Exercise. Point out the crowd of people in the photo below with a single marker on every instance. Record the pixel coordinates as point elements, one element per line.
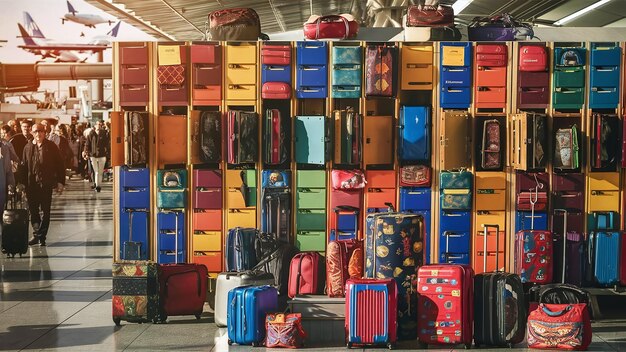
<point>38,157</point>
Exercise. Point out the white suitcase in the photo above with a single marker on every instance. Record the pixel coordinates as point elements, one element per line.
<point>226,281</point>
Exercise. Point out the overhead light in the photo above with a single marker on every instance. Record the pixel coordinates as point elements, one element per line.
<point>579,13</point>
<point>460,5</point>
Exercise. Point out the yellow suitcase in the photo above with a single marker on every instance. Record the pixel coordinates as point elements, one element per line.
<point>207,241</point>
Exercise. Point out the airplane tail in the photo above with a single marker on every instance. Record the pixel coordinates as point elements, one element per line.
<point>71,8</point>
<point>32,27</point>
<point>114,30</point>
<point>28,40</point>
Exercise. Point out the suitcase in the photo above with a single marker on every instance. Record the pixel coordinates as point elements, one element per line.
<point>342,262</point>
<point>371,312</point>
<point>172,147</point>
<point>182,289</point>
<point>276,213</point>
<point>172,189</point>
<point>491,156</point>
<point>276,138</point>
<point>242,137</point>
<point>240,249</point>
<point>534,256</point>
<point>312,139</point>
<point>348,137</point>
<point>229,280</point>
<point>15,227</point>
<point>570,254</point>
<point>136,138</point>
<point>445,304</point>
<point>171,240</point>
<point>277,263</point>
<point>415,139</point>
<point>605,140</point>
<point>380,70</point>
<point>529,145</point>
<point>346,225</point>
<point>306,274</point>
<point>605,249</point>
<point>276,90</point>
<point>394,249</point>
<point>455,141</point>
<point>491,55</point>
<point>378,136</point>
<point>247,308</point>
<point>131,250</point>
<point>211,136</point>
<point>533,58</point>
<point>135,295</point>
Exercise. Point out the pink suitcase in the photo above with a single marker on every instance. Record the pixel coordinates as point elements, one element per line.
<point>371,312</point>
<point>445,302</point>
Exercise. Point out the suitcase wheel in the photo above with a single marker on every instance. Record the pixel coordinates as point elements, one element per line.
<point>162,318</point>
<point>230,342</point>
<point>256,344</point>
<point>198,315</point>
<point>349,345</point>
<point>468,346</point>
<point>390,345</point>
<point>117,321</point>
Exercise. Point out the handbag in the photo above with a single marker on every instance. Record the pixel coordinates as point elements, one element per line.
<point>348,179</point>
<point>415,175</point>
<point>234,24</point>
<point>560,326</point>
<point>284,330</point>
<point>429,16</point>
<point>173,75</point>
<point>498,28</point>
<point>342,26</point>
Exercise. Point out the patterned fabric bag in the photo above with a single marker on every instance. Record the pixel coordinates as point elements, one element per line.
<point>559,326</point>
<point>173,75</point>
<point>284,330</point>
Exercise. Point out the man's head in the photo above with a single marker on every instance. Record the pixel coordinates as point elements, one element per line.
<point>98,125</point>
<point>25,125</point>
<point>39,132</point>
<point>5,132</point>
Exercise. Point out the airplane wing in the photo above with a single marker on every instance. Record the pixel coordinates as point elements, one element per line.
<point>73,47</point>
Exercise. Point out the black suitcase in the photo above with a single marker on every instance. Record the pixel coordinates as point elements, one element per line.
<point>211,136</point>
<point>15,227</point>
<point>277,212</point>
<point>243,138</point>
<point>499,306</point>
<point>277,264</point>
<point>136,127</point>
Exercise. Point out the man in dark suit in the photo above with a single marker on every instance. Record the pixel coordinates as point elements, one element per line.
<point>42,170</point>
<point>20,140</point>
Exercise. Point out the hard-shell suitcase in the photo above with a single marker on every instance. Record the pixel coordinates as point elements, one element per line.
<point>491,55</point>
<point>380,70</point>
<point>240,252</point>
<point>605,248</point>
<point>276,213</point>
<point>227,281</point>
<point>415,139</point>
<point>247,308</point>
<point>182,289</point>
<point>136,136</point>
<point>445,300</point>
<point>276,138</point>
<point>306,274</point>
<point>534,257</point>
<point>276,90</point>
<point>135,295</point>
<point>371,312</point>
<point>242,137</point>
<point>394,249</point>
<point>211,136</point>
<point>533,58</point>
<point>348,136</point>
<point>346,225</point>
<point>15,227</point>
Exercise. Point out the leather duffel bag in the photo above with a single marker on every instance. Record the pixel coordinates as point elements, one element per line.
<point>342,26</point>
<point>430,16</point>
<point>234,24</point>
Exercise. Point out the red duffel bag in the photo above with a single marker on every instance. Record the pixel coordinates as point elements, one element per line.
<point>559,326</point>
<point>429,16</point>
<point>342,26</point>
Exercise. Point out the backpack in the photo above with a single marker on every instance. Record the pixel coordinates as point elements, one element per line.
<point>571,58</point>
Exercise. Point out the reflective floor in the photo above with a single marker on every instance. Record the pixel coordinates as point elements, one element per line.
<point>59,297</point>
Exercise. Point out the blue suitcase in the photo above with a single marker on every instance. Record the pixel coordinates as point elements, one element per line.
<point>604,75</point>
<point>414,133</point>
<point>603,221</point>
<point>311,140</point>
<point>134,225</point>
<point>524,221</point>
<point>134,188</point>
<point>347,72</point>
<point>456,80</point>
<point>347,224</point>
<point>171,237</point>
<point>312,53</point>
<point>172,189</point>
<point>605,54</point>
<point>247,307</point>
<point>276,73</point>
<point>312,70</point>
<point>240,252</point>
<point>605,248</point>
<point>415,198</point>
<point>455,237</point>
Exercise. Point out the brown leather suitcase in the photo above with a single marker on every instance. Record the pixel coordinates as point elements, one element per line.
<point>378,140</point>
<point>455,142</point>
<point>117,138</point>
<point>172,132</point>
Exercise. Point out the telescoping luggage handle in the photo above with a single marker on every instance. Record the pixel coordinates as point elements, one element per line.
<point>176,213</point>
<point>485,228</point>
<point>564,211</point>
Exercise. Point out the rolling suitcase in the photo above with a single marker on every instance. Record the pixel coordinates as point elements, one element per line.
<point>136,138</point>
<point>445,305</point>
<point>344,259</point>
<point>132,250</point>
<point>306,274</point>
<point>499,305</point>
<point>570,254</point>
<point>227,281</point>
<point>135,295</point>
<point>275,140</point>
<point>247,308</point>
<point>211,136</point>
<point>534,256</point>
<point>240,249</point>
<point>278,263</point>
<point>242,137</point>
<point>371,312</point>
<point>394,249</point>
<point>605,247</point>
<point>414,143</point>
<point>15,227</point>
<point>182,289</point>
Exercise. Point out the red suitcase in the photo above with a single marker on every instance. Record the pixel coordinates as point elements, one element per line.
<point>491,55</point>
<point>182,289</point>
<point>533,256</point>
<point>445,302</point>
<point>306,274</point>
<point>371,312</point>
<point>276,90</point>
<point>274,137</point>
<point>341,257</point>
<point>533,58</point>
<point>276,55</point>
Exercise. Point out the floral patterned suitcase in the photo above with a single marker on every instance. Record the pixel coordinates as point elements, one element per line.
<point>135,292</point>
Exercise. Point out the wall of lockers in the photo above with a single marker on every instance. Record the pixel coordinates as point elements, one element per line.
<point>510,134</point>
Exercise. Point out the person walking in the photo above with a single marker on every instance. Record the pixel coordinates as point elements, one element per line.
<point>7,158</point>
<point>41,171</point>
<point>97,149</point>
<point>20,140</point>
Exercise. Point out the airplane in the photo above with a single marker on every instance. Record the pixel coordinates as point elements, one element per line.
<point>88,20</point>
<point>36,43</point>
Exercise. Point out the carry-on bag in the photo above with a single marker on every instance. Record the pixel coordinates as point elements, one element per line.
<point>182,289</point>
<point>604,248</point>
<point>234,24</point>
<point>172,189</point>
<point>240,249</point>
<point>371,312</point>
<point>560,326</point>
<point>499,304</point>
<point>445,304</point>
<point>276,139</point>
<point>242,137</point>
<point>278,263</point>
<point>276,90</point>
<point>306,274</point>
<point>131,250</point>
<point>284,330</point>
<point>534,256</point>
<point>414,139</point>
<point>348,179</point>
<point>136,138</point>
<point>15,226</point>
<point>533,58</point>
<point>247,308</point>
<point>380,70</point>
<point>430,16</point>
<point>135,295</point>
<point>211,136</point>
<point>499,28</point>
<point>342,26</point>
<point>227,281</point>
<point>566,148</point>
<point>344,260</point>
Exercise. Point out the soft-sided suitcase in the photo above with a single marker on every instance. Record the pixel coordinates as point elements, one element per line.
<point>182,289</point>
<point>534,257</point>
<point>445,304</point>
<point>605,247</point>
<point>491,156</point>
<point>15,227</point>
<point>276,139</point>
<point>306,274</point>
<point>135,295</point>
<point>211,136</point>
<point>278,263</point>
<point>380,70</point>
<point>247,308</point>
<point>242,137</point>
<point>394,249</point>
<point>342,262</point>
<point>371,312</point>
<point>348,136</point>
<point>414,124</point>
<point>240,253</point>
<point>227,281</point>
<point>136,136</point>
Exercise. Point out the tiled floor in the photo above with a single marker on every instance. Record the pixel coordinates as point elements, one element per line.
<point>59,297</point>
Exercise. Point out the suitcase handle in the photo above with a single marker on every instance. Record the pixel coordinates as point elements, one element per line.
<point>275,68</point>
<point>564,211</point>
<point>417,65</point>
<point>485,232</point>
